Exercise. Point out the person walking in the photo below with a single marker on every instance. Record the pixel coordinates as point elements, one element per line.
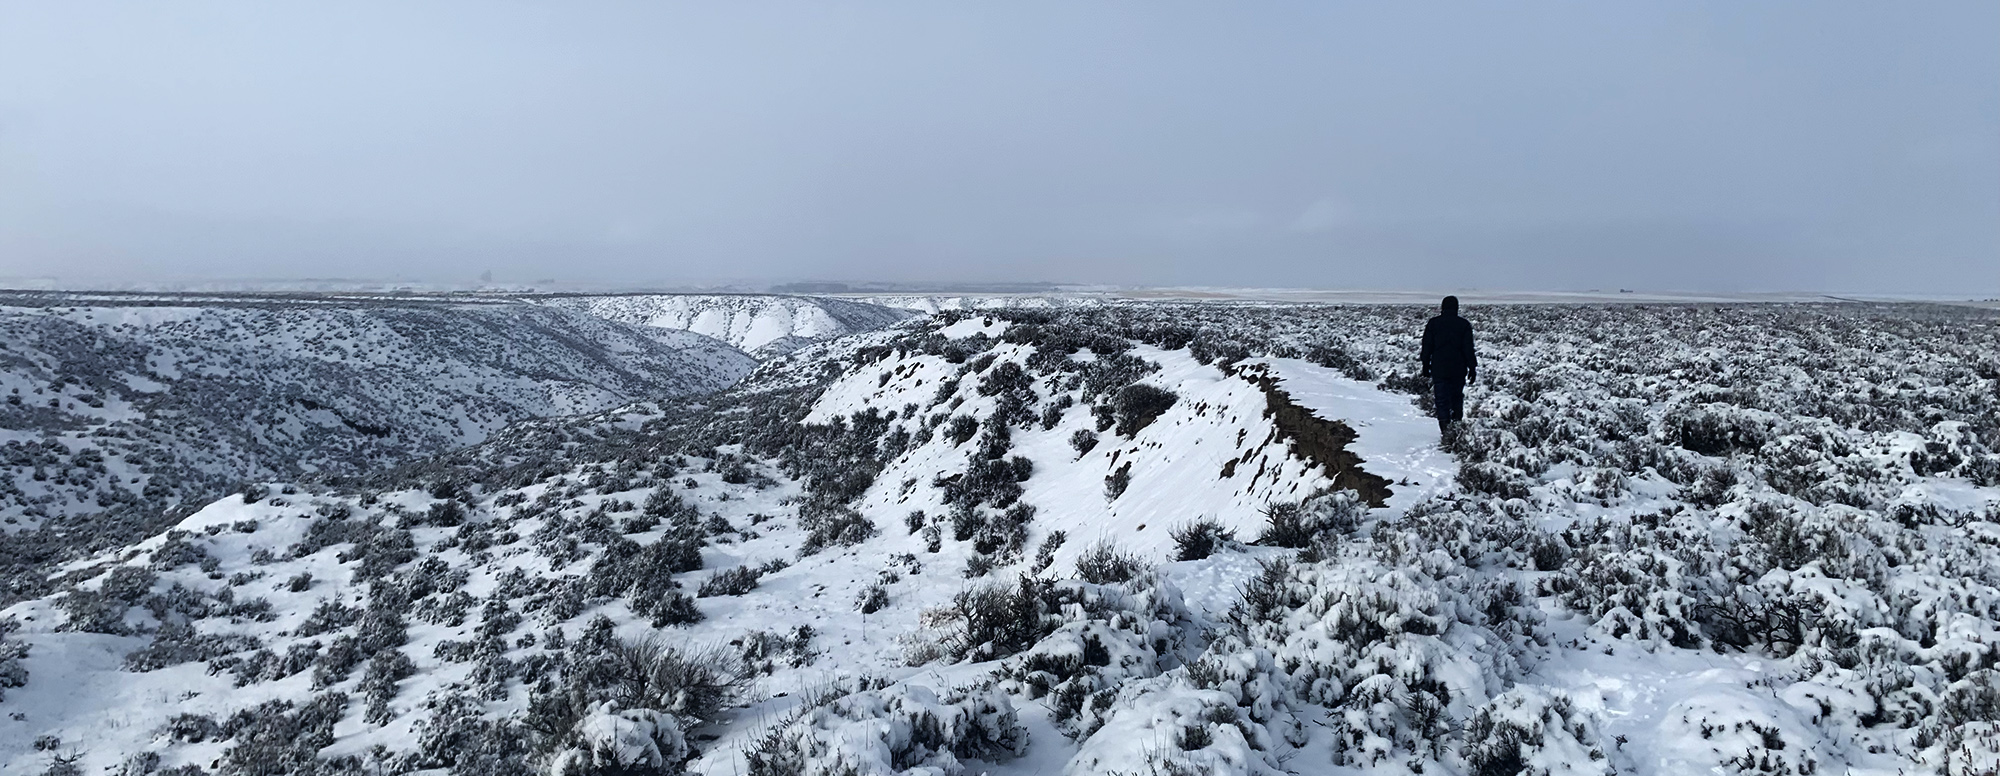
<point>1449,361</point>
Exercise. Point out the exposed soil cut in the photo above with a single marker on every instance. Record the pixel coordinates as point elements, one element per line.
<point>1320,441</point>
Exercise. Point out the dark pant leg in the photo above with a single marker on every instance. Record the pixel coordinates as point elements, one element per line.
<point>1449,396</point>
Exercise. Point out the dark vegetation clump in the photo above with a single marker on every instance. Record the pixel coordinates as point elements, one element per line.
<point>1299,524</point>
<point>762,651</point>
<point>1046,554</point>
<point>177,643</point>
<point>872,599</point>
<point>275,736</point>
<point>1138,405</point>
<point>1083,441</point>
<point>1200,539</point>
<point>644,576</point>
<point>12,673</point>
<point>1103,563</point>
<point>833,527</point>
<point>693,685</point>
<point>1268,596</point>
<point>1117,481</point>
<point>736,581</point>
<point>961,429</point>
<point>997,620</point>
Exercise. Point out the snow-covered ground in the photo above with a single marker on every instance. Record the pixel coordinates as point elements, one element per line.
<point>1100,540</point>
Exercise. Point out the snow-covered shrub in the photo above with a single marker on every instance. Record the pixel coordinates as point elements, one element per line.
<point>1529,730</point>
<point>1377,641</point>
<point>1298,524</point>
<point>336,662</point>
<point>1285,525</point>
<point>379,551</point>
<point>380,629</point>
<point>990,476</point>
<point>1167,727</point>
<point>1641,594</point>
<point>330,615</point>
<point>833,527</point>
<point>1108,635</point>
<point>457,737</point>
<point>763,651</point>
<point>1974,750</point>
<point>273,737</point>
<point>64,765</point>
<point>736,581</point>
<point>599,669</point>
<point>1492,479</point>
<point>90,611</point>
<point>264,665</point>
<point>674,607</point>
<point>1728,735</point>
<point>449,609</point>
<point>1715,429</point>
<point>612,742</point>
<point>443,514</point>
<point>643,575</point>
<point>1968,704</point>
<point>872,599</point>
<point>895,730</point>
<point>1267,596</point>
<point>1337,357</point>
<point>177,551</point>
<point>129,584</point>
<point>378,683</point>
<point>1045,555</point>
<point>12,674</point>
<point>191,728</point>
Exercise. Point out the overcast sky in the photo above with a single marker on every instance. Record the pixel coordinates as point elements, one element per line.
<point>1664,146</point>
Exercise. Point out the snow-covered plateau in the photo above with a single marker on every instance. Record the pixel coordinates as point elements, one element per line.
<point>1118,538</point>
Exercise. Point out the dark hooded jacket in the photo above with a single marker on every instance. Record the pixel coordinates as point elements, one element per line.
<point>1447,353</point>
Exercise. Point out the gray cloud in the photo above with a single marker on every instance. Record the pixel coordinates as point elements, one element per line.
<point>1697,146</point>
